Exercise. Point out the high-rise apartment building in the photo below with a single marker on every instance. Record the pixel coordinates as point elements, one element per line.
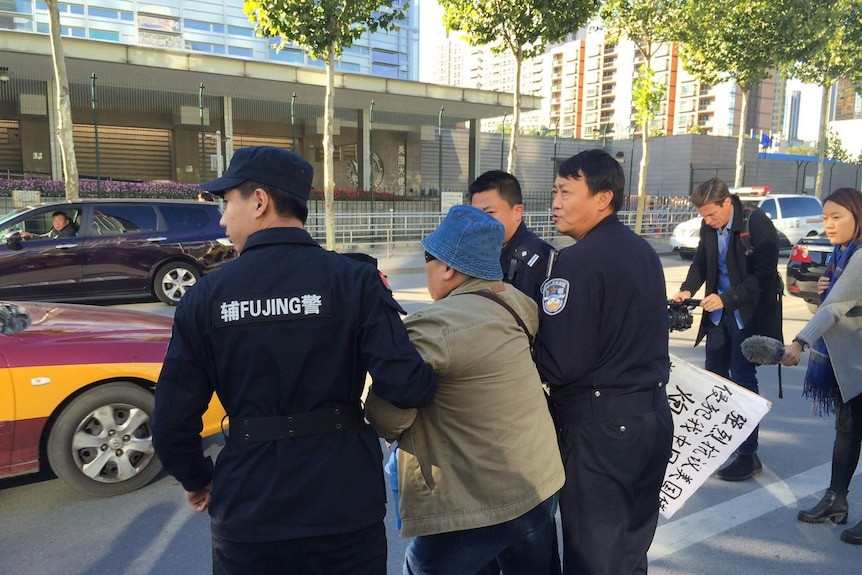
<point>457,63</point>
<point>209,26</point>
<point>587,84</point>
<point>793,116</point>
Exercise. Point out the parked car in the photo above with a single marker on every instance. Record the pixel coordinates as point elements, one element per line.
<point>120,249</point>
<point>794,216</point>
<point>76,394</point>
<point>807,263</point>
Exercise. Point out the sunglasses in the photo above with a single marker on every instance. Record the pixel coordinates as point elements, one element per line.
<point>429,257</point>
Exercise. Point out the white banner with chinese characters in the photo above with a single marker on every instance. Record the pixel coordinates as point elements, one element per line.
<point>712,416</point>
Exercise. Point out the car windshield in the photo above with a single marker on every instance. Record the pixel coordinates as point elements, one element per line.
<point>9,215</point>
<point>13,318</point>
<point>6,227</point>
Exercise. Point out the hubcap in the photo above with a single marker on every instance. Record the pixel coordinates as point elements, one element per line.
<point>177,282</point>
<point>113,443</point>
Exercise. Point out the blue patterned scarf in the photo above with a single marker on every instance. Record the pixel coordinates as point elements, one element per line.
<point>820,384</point>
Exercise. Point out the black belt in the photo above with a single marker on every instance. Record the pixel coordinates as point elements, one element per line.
<point>596,404</point>
<point>325,420</point>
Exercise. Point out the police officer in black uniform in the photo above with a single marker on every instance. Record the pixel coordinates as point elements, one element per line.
<point>603,348</point>
<point>524,257</point>
<point>284,335</point>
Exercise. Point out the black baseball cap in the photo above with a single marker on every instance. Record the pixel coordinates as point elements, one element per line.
<point>268,165</point>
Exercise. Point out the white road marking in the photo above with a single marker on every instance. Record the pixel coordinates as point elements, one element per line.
<point>692,529</point>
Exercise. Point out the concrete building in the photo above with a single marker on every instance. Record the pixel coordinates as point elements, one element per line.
<point>154,113</point>
<point>218,27</point>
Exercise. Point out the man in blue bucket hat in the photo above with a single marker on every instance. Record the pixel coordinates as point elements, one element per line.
<point>477,468</point>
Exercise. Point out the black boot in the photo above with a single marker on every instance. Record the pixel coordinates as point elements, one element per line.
<point>853,535</point>
<point>741,468</point>
<point>833,507</point>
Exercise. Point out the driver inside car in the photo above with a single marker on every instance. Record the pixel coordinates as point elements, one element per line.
<point>63,228</point>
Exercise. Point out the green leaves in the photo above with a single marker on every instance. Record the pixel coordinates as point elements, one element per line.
<point>517,25</point>
<point>743,40</point>
<point>322,26</point>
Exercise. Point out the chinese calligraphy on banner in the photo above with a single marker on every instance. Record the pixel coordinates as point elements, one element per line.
<point>711,417</point>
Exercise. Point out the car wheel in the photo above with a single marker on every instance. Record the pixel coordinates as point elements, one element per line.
<point>173,280</point>
<point>101,443</point>
<point>686,255</point>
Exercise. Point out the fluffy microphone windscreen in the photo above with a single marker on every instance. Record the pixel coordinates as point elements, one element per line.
<point>763,350</point>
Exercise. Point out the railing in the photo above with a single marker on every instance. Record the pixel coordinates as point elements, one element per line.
<point>367,229</point>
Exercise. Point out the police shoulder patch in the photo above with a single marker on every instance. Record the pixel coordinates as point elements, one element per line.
<point>555,292</point>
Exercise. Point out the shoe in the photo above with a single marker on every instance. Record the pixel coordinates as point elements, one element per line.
<point>853,536</point>
<point>741,468</point>
<point>833,507</point>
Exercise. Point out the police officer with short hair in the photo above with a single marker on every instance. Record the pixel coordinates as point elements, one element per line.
<point>524,257</point>
<point>603,348</point>
<point>284,335</point>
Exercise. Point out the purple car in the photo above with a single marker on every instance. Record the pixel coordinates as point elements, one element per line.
<point>110,249</point>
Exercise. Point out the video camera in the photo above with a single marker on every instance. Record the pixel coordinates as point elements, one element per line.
<point>679,316</point>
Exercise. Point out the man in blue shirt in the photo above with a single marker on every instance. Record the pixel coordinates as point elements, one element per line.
<point>743,295</point>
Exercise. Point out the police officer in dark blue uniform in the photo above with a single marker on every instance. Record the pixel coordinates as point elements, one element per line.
<point>284,335</point>
<point>524,257</point>
<point>603,348</point>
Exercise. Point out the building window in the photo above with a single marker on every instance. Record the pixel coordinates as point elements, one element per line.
<point>384,57</point>
<point>71,9</point>
<point>103,13</point>
<point>16,23</point>
<point>204,47</point>
<point>348,67</point>
<point>287,55</point>
<point>197,25</point>
<point>239,51</point>
<point>107,35</point>
<point>240,31</point>
<point>22,6</point>
<point>384,70</point>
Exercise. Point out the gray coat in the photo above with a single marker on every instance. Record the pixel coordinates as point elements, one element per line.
<point>839,323</point>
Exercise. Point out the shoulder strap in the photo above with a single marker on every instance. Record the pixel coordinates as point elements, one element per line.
<point>745,236</point>
<point>494,297</point>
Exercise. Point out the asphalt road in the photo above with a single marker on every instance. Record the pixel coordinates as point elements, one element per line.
<point>725,528</point>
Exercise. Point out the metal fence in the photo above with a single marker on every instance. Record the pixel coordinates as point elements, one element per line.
<point>387,229</point>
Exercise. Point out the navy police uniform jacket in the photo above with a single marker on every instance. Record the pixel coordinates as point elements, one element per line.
<point>286,328</point>
<point>604,316</point>
<point>524,260</point>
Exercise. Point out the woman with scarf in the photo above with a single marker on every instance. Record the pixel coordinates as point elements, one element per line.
<point>833,380</point>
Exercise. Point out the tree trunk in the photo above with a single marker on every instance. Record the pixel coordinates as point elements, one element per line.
<point>328,151</point>
<point>740,140</point>
<point>64,107</point>
<point>639,216</point>
<point>821,142</point>
<point>516,114</point>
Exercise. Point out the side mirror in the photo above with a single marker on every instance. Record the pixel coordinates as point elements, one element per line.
<point>14,241</point>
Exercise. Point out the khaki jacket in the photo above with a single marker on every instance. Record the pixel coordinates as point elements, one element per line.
<point>484,451</point>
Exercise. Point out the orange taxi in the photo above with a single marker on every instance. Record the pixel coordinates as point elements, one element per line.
<point>76,394</point>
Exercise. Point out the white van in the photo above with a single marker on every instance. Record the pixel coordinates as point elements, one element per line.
<point>794,216</point>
